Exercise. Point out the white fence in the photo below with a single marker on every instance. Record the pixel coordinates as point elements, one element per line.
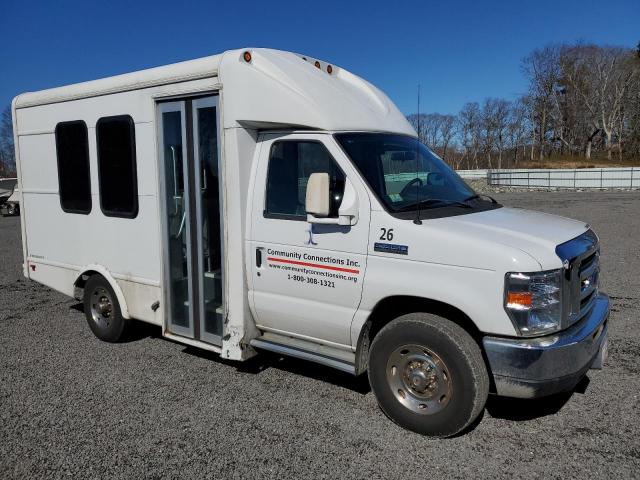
<point>473,173</point>
<point>560,178</point>
<point>567,178</point>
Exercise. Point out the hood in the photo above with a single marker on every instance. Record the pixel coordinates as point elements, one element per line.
<point>535,233</point>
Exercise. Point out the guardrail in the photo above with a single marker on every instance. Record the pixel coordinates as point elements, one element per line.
<point>567,178</point>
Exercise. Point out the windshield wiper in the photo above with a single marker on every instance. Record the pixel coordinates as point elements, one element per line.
<point>434,202</point>
<point>479,195</point>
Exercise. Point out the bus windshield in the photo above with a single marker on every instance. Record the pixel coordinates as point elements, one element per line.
<point>403,173</point>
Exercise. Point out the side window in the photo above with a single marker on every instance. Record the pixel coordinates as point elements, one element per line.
<point>117,173</point>
<point>291,163</point>
<point>74,181</point>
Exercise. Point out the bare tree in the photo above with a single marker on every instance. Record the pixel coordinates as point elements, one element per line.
<point>447,132</point>
<point>581,99</point>
<point>418,122</point>
<point>432,129</point>
<point>543,70</point>
<point>469,131</point>
<point>517,129</point>
<point>601,76</point>
<point>495,115</point>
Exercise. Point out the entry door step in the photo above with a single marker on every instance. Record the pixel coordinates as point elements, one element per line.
<point>303,354</point>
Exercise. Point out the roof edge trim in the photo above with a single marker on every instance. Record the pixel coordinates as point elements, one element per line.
<point>109,91</point>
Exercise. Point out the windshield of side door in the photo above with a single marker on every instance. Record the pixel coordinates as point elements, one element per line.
<point>404,173</point>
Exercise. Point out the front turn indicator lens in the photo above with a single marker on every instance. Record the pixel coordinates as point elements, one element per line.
<point>533,301</point>
<point>519,300</point>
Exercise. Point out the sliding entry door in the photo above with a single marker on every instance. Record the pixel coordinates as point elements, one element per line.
<point>192,220</point>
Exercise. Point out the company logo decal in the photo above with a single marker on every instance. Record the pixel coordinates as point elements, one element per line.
<point>391,248</point>
<point>310,240</point>
<point>314,269</point>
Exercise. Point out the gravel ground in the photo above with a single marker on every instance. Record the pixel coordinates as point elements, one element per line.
<point>72,405</point>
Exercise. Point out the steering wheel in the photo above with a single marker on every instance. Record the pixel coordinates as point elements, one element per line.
<point>416,181</point>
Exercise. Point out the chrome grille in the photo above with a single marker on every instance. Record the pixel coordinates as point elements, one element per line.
<point>581,260</point>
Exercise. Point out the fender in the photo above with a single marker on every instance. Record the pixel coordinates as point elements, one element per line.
<point>112,281</point>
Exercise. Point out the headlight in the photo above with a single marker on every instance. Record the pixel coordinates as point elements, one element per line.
<point>534,301</point>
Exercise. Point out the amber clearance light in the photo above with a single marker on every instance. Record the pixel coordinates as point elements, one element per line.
<point>521,300</point>
<point>247,56</point>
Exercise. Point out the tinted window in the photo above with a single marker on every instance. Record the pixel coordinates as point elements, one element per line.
<point>74,183</point>
<point>291,163</point>
<point>117,166</point>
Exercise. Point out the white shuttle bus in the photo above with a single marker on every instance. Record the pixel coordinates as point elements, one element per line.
<point>261,199</point>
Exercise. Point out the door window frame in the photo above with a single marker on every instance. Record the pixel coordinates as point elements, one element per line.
<point>173,105</point>
<point>204,102</point>
<point>282,216</point>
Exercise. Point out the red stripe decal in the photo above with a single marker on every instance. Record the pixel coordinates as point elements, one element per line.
<point>316,265</point>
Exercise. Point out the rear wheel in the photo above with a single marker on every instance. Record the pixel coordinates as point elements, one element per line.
<point>428,374</point>
<point>102,310</point>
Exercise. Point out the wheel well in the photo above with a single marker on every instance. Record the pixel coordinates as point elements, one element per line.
<point>81,281</point>
<point>391,308</point>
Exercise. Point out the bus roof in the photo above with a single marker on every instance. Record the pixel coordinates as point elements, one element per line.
<point>265,89</point>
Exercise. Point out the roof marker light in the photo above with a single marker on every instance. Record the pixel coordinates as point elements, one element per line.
<point>247,56</point>
<point>329,69</point>
<point>304,58</point>
<point>317,64</point>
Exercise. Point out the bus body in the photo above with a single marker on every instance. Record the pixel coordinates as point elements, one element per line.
<point>260,199</point>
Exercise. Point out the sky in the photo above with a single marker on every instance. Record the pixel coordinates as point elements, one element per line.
<point>458,51</point>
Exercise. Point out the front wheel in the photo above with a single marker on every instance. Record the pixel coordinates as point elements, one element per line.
<point>428,375</point>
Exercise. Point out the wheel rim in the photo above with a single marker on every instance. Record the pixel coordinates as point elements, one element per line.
<point>101,306</point>
<point>419,379</point>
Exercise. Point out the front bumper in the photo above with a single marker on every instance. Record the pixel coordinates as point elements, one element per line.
<point>535,367</point>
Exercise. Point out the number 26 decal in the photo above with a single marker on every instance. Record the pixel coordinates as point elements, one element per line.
<point>387,234</point>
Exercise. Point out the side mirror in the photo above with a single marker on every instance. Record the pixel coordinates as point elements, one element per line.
<point>317,199</point>
<point>317,202</point>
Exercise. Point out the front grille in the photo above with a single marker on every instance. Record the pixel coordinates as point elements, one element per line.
<point>581,260</point>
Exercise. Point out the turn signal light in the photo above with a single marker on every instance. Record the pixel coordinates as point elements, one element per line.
<point>522,300</point>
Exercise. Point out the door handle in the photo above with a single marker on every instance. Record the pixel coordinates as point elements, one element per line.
<point>258,257</point>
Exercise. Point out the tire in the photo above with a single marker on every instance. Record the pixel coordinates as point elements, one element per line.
<point>428,375</point>
<point>102,310</point>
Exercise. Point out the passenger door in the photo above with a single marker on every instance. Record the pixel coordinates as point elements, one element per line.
<point>306,278</point>
<point>188,136</point>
